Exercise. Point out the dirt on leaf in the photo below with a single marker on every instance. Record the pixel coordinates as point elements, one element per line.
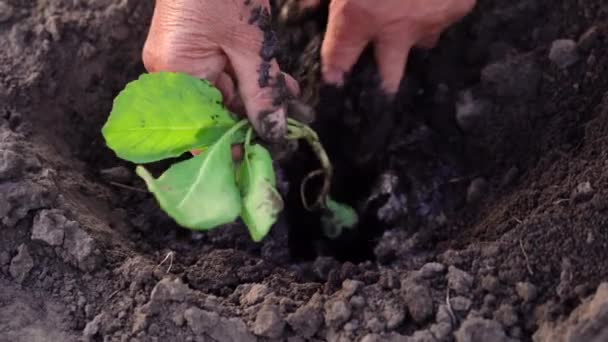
<point>482,190</point>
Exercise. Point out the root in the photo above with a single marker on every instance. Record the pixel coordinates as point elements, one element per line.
<point>320,200</point>
<point>169,257</point>
<point>521,245</point>
<point>449,307</point>
<point>298,130</point>
<point>127,187</point>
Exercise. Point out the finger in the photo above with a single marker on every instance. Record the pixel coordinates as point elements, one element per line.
<point>263,89</point>
<point>235,103</point>
<point>344,41</point>
<point>226,86</point>
<point>309,4</point>
<point>237,152</point>
<point>391,56</point>
<point>159,54</point>
<point>429,41</point>
<point>292,85</point>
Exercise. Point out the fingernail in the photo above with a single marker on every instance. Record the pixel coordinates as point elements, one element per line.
<point>333,76</point>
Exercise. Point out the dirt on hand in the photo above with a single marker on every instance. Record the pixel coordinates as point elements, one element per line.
<point>482,190</point>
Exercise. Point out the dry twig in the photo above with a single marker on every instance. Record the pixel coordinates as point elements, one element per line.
<point>449,306</point>
<point>521,245</point>
<point>127,187</point>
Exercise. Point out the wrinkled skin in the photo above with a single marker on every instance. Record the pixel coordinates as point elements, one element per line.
<point>393,26</point>
<point>220,41</point>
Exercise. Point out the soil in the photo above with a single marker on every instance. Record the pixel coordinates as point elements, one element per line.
<point>482,189</point>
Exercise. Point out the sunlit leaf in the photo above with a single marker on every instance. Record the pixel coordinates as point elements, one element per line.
<point>200,193</point>
<point>163,115</point>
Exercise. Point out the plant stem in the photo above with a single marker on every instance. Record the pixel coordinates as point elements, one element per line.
<point>298,130</point>
<point>236,127</point>
<point>248,136</point>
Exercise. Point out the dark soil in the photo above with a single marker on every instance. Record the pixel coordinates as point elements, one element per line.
<point>482,189</point>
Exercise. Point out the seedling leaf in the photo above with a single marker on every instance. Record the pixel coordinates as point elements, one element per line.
<point>262,203</point>
<point>199,193</point>
<point>162,115</point>
<point>337,217</point>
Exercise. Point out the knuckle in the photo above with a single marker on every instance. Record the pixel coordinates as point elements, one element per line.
<point>149,58</point>
<point>263,98</point>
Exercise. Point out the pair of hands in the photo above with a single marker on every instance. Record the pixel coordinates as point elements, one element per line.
<point>230,43</point>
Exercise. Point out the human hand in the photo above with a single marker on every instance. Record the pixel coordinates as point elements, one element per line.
<point>230,44</point>
<point>393,26</point>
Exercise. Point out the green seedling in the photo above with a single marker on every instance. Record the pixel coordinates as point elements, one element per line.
<point>164,115</point>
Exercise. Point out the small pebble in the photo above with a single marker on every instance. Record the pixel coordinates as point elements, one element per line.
<point>564,53</point>
<point>526,291</point>
<point>470,111</point>
<point>490,283</point>
<point>350,287</point>
<point>92,328</point>
<point>394,315</point>
<point>475,329</point>
<point>459,280</point>
<point>514,78</point>
<point>441,331</point>
<point>269,323</point>
<point>476,190</point>
<point>599,202</point>
<point>461,304</point>
<point>419,302</point>
<point>306,320</point>
<point>582,193</point>
<point>6,11</point>
<point>506,315</point>
<point>337,312</point>
<point>357,302</point>
<point>489,300</point>
<point>372,338</point>
<point>375,325</point>
<point>351,326</point>
<point>432,269</point>
<point>255,295</point>
<point>5,258</point>
<point>443,314</point>
<point>22,264</point>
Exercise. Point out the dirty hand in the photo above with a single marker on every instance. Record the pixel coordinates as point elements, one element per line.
<point>393,26</point>
<point>230,44</point>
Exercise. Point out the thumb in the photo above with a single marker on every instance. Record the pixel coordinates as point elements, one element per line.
<point>344,40</point>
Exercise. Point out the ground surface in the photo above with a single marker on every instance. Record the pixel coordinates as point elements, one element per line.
<point>492,222</point>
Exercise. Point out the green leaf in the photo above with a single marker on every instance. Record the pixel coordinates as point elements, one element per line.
<point>163,115</point>
<point>199,193</point>
<point>262,203</point>
<point>337,217</point>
